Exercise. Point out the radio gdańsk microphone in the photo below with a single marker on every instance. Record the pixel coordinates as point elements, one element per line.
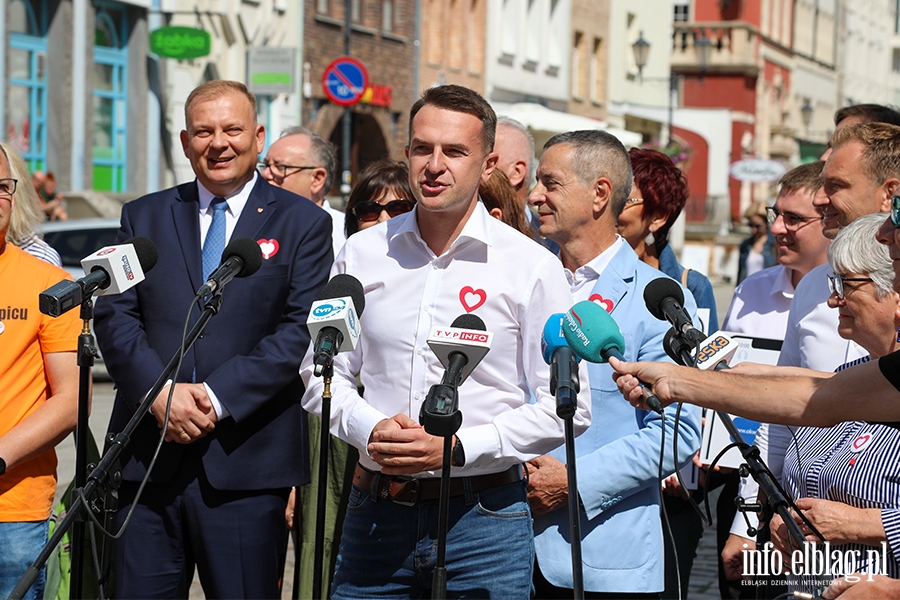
<point>563,363</point>
<point>109,270</point>
<point>715,352</point>
<point>334,319</point>
<point>460,348</point>
<point>240,258</point>
<point>595,336</point>
<point>665,301</point>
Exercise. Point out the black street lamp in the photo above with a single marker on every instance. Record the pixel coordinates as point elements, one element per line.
<point>806,113</point>
<point>641,48</point>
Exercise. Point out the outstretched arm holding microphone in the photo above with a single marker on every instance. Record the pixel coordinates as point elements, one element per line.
<point>782,395</point>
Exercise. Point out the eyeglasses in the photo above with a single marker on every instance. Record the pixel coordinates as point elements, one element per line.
<point>369,210</point>
<point>632,202</point>
<point>836,283</point>
<point>895,211</point>
<point>8,186</point>
<point>281,171</point>
<point>792,222</point>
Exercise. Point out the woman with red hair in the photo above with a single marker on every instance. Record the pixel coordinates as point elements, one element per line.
<point>657,197</point>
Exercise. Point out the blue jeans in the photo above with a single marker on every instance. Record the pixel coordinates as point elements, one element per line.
<point>20,543</point>
<point>389,550</point>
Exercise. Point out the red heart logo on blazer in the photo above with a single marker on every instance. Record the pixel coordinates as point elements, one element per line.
<point>604,302</point>
<point>269,247</point>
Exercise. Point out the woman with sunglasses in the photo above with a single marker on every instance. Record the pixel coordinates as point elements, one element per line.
<point>846,479</point>
<point>381,192</point>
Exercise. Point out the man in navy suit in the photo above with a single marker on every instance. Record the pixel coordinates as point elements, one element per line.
<point>236,436</point>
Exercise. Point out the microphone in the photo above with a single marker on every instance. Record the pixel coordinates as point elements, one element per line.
<point>595,336</point>
<point>241,258</point>
<point>563,363</point>
<point>677,349</point>
<point>665,301</point>
<point>109,270</point>
<point>715,352</point>
<point>460,347</point>
<point>334,319</point>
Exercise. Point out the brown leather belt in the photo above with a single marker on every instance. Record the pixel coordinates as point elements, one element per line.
<point>404,490</point>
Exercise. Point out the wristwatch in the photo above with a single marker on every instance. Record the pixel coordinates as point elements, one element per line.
<point>458,456</point>
<point>2,466</point>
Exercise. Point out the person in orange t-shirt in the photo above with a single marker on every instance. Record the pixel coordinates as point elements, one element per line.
<point>38,398</point>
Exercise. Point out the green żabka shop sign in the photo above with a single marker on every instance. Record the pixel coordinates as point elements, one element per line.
<point>180,42</point>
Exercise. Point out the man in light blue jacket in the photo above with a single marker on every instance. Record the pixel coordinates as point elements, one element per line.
<point>583,181</point>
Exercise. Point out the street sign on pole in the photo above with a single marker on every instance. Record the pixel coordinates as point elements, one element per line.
<point>345,81</point>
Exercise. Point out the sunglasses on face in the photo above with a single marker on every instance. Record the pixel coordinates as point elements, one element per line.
<point>895,211</point>
<point>836,283</point>
<point>369,210</point>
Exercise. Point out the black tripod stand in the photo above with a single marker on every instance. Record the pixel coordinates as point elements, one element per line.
<point>106,468</point>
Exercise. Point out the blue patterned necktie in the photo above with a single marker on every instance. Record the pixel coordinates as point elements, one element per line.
<point>215,238</point>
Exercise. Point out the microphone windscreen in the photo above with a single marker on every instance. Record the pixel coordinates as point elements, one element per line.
<point>468,321</point>
<point>343,285</point>
<point>146,251</point>
<point>658,290</point>
<point>552,336</point>
<point>592,333</point>
<point>249,253</point>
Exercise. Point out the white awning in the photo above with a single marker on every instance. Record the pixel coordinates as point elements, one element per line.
<point>545,122</point>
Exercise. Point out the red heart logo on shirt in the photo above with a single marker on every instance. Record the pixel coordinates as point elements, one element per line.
<point>269,247</point>
<point>605,303</point>
<point>471,298</point>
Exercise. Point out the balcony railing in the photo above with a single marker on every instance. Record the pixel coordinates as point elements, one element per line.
<point>735,47</point>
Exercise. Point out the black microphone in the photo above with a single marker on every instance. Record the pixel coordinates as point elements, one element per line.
<point>438,413</point>
<point>241,258</point>
<point>665,301</point>
<point>460,356</point>
<point>334,319</point>
<point>109,271</point>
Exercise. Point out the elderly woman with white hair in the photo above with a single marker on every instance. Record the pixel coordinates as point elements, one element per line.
<point>846,479</point>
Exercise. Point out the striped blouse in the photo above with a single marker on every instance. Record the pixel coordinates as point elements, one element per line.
<point>857,463</point>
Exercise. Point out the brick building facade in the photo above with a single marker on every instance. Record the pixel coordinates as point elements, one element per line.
<point>382,37</point>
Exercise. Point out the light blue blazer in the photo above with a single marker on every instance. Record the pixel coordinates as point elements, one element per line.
<point>618,456</point>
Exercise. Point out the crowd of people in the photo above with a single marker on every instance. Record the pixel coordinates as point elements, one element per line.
<point>470,224</point>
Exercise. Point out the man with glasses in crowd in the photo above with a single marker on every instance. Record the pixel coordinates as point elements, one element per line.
<point>300,161</point>
<point>38,398</point>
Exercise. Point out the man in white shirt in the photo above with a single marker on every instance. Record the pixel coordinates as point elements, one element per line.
<point>300,161</point>
<point>420,270</point>
<point>760,308</point>
<point>583,181</point>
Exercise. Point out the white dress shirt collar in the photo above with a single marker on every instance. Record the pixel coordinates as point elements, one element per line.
<point>477,228</point>
<point>581,282</point>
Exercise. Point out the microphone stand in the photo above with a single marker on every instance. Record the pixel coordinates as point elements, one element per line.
<point>102,471</point>
<point>324,442</point>
<point>86,353</point>
<point>440,416</point>
<point>775,498</point>
<point>566,404</point>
